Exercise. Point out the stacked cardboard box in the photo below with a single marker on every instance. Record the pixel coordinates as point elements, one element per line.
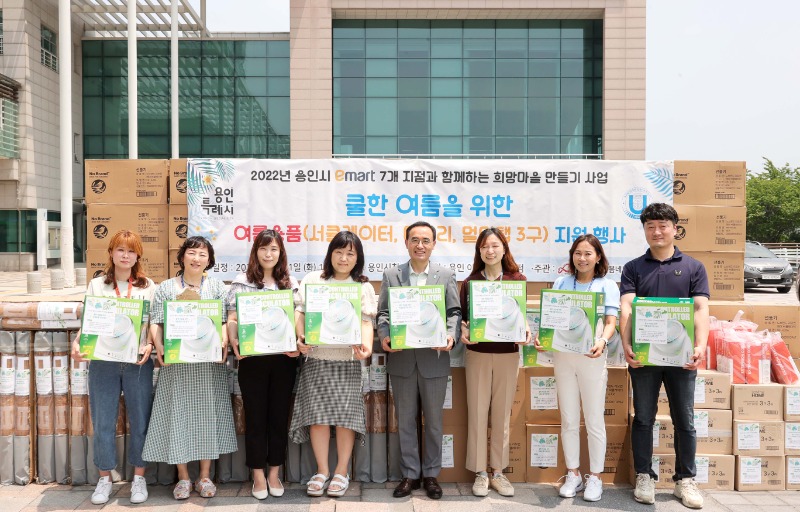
<point>127,194</point>
<point>178,212</point>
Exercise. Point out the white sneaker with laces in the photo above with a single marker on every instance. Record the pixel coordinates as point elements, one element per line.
<point>138,490</point>
<point>594,488</point>
<point>102,491</point>
<point>572,485</point>
<point>688,492</point>
<point>645,491</point>
<point>501,484</point>
<point>481,486</point>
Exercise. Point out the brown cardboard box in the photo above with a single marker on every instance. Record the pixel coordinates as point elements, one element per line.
<point>172,263</point>
<point>792,473</point>
<point>455,403</point>
<point>520,404</point>
<point>545,457</point>
<point>791,403</point>
<point>517,453</point>
<point>616,412</point>
<point>104,220</point>
<point>709,183</point>
<point>711,228</point>
<point>154,263</point>
<point>541,401</point>
<point>784,318</point>
<point>713,427</point>
<point>757,401</point>
<point>760,473</point>
<point>714,471</point>
<point>791,439</point>
<point>534,289</point>
<point>454,454</point>
<point>756,438</point>
<point>712,391</point>
<point>177,181</point>
<point>725,273</point>
<point>126,182</point>
<point>618,453</point>
<point>178,225</point>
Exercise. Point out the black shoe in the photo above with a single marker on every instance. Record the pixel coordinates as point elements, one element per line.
<point>405,487</point>
<point>432,487</point>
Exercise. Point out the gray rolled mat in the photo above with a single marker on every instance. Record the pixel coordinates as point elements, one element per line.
<point>92,474</point>
<point>224,468</point>
<point>45,459</point>
<point>292,466</point>
<point>378,458</point>
<point>22,461</point>
<point>393,459</point>
<point>151,473</point>
<point>78,452</point>
<point>361,460</point>
<point>167,474</point>
<point>8,341</point>
<point>61,447</point>
<point>118,473</point>
<point>7,460</point>
<point>239,470</point>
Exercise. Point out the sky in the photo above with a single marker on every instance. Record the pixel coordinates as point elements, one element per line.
<point>723,76</point>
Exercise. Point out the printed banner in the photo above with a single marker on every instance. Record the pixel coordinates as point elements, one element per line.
<point>540,205</point>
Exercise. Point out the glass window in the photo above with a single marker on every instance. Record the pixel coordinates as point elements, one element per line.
<point>413,116</point>
<point>446,87</point>
<point>413,87</point>
<point>348,49</point>
<point>382,67</point>
<point>413,67</point>
<point>381,48</point>
<point>512,49</point>
<point>278,115</point>
<point>381,87</point>
<point>382,145</point>
<point>446,68</point>
<point>349,87</point>
<point>479,67</point>
<point>250,48</point>
<point>414,49</point>
<point>414,29</point>
<point>446,48</point>
<point>511,116</point>
<point>278,49</point>
<point>381,29</point>
<point>414,145</point>
<point>382,116</point>
<point>446,116</point>
<point>478,48</point>
<point>251,66</point>
<point>479,116</point>
<point>446,146</point>
<point>49,53</point>
<point>511,87</point>
<point>511,67</point>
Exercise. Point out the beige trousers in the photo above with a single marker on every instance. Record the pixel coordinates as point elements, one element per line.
<point>491,383</point>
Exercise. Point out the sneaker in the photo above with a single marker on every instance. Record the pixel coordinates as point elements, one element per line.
<point>481,486</point>
<point>594,488</point>
<point>102,491</point>
<point>645,491</point>
<point>501,484</point>
<point>686,490</point>
<point>138,490</point>
<point>572,486</point>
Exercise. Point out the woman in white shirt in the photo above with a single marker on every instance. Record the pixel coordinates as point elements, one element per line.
<point>123,277</point>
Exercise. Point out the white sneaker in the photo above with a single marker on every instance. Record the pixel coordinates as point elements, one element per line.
<point>645,491</point>
<point>686,490</point>
<point>501,484</point>
<point>594,488</point>
<point>572,486</point>
<point>102,491</point>
<point>481,486</point>
<point>138,490</point>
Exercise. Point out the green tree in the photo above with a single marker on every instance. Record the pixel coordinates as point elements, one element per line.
<point>773,204</point>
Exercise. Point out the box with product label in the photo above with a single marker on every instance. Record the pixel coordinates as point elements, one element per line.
<point>615,352</point>
<point>618,454</point>
<point>792,473</point>
<point>153,262</point>
<point>714,471</point>
<point>709,183</point>
<point>545,456</point>
<point>173,267</point>
<point>542,397</point>
<point>497,311</point>
<point>333,314</point>
<point>192,331</point>
<point>783,318</point>
<point>126,182</point>
<point>178,227</point>
<point>711,228</point>
<point>266,322</point>
<point>760,473</point>
<point>177,181</point>
<point>112,328</point>
<point>519,406</point>
<point>531,356</point>
<point>418,317</point>
<point>616,408</point>
<point>791,403</point>
<point>712,391</point>
<point>762,437</point>
<point>725,271</point>
<point>757,401</point>
<point>570,320</point>
<point>791,440</point>
<point>455,400</point>
<point>517,452</point>
<point>104,220</point>
<point>663,330</point>
<point>713,428</point>
<point>454,453</point>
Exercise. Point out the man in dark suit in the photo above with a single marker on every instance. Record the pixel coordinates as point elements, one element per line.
<point>419,373</point>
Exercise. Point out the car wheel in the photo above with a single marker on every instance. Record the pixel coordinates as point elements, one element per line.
<point>785,289</point>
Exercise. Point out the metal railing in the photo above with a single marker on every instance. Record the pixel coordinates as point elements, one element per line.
<point>50,60</point>
<point>481,156</point>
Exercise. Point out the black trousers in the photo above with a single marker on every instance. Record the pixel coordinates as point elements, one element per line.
<point>266,383</point>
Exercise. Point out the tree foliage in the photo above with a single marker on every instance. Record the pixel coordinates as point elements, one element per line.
<point>773,204</point>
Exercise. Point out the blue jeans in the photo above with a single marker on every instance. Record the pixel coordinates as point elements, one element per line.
<point>679,384</point>
<point>106,380</point>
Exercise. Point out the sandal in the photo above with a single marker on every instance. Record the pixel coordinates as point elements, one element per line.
<point>340,481</point>
<point>316,486</point>
<point>205,488</point>
<point>182,490</point>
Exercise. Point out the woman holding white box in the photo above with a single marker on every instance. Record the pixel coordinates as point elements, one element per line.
<point>582,378</point>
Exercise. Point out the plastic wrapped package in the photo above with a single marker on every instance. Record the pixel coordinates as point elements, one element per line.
<point>45,407</point>
<point>361,452</point>
<point>239,470</point>
<point>784,369</point>
<point>22,410</point>
<point>8,365</point>
<point>757,358</point>
<point>292,465</point>
<point>393,470</point>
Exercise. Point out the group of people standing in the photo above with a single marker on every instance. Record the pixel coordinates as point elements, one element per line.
<point>191,418</point>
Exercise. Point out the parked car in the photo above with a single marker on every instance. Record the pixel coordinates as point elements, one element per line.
<point>763,269</point>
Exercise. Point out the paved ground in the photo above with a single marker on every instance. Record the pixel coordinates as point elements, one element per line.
<point>378,497</point>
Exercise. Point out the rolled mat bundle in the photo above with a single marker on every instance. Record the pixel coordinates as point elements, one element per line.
<point>8,365</point>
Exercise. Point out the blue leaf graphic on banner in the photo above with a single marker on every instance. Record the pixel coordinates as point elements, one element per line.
<point>662,180</point>
<point>202,174</point>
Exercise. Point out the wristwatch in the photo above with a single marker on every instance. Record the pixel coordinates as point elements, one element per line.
<point>605,343</point>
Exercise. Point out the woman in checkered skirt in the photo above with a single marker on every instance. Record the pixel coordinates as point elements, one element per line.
<point>329,390</point>
<point>192,417</point>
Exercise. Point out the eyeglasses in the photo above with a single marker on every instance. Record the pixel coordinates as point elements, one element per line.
<point>426,242</point>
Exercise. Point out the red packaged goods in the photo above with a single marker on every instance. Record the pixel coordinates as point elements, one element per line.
<point>757,358</point>
<point>784,370</point>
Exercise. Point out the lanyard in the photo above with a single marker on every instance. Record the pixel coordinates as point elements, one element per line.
<point>483,273</point>
<point>130,288</point>
<point>575,284</point>
<point>202,280</point>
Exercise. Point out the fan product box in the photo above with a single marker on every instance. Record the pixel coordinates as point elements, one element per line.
<point>757,401</point>
<point>711,228</point>
<point>454,410</point>
<point>333,314</point>
<point>616,409</point>
<point>118,182</point>
<point>763,437</point>
<point>177,181</point>
<point>615,352</point>
<point>497,311</point>
<point>760,473</point>
<point>519,405</point>
<point>531,356</point>
<point>791,439</point>
<point>153,262</point>
<point>725,272</point>
<point>570,320</point>
<point>709,183</point>
<point>712,391</point>
<point>542,397</point>
<point>266,322</point>
<point>454,453</point>
<point>517,452</point>
<point>617,463</point>
<point>663,330</point>
<point>792,473</point>
<point>111,328</point>
<point>417,316</point>
<point>193,331</point>
<point>104,220</point>
<point>714,471</point>
<point>178,227</point>
<point>545,456</point>
<point>714,429</point>
<point>791,404</point>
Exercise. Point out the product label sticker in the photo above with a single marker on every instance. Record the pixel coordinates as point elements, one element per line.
<point>792,436</point>
<point>317,298</point>
<point>543,393</point>
<point>701,464</point>
<point>793,401</point>
<point>44,375</point>
<point>486,300</point>
<point>701,423</point>
<point>748,436</point>
<point>7,374</point>
<point>793,470</point>
<point>750,470</point>
<point>655,463</point>
<point>651,326</point>
<point>404,306</point>
<point>544,450</point>
<point>79,382</point>
<point>448,394</point>
<point>448,451</point>
<point>656,432</point>
<point>60,375</point>
<point>22,378</point>
<point>266,322</point>
<point>421,317</point>
<point>700,390</point>
<point>378,378</point>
